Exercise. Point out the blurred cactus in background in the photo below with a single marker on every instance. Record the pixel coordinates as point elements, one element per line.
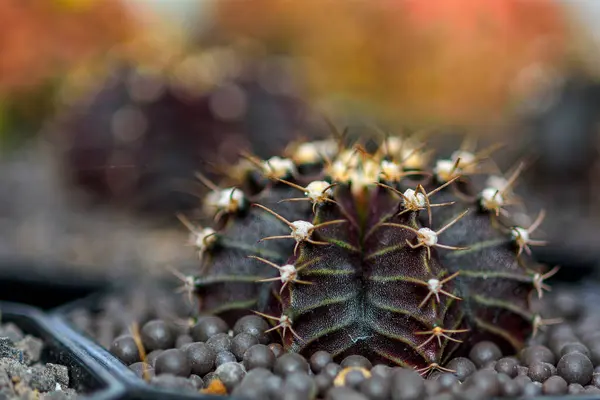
<point>41,41</point>
<point>456,61</point>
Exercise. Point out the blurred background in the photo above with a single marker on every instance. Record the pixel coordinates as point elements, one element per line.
<point>108,107</point>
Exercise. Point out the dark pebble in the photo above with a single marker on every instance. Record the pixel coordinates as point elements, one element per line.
<point>344,393</point>
<point>376,387</point>
<point>125,349</point>
<point>300,382</point>
<point>407,384</point>
<point>290,362</point>
<point>522,380</point>
<point>537,353</point>
<point>555,386</point>
<point>575,368</point>
<point>197,381</point>
<point>169,381</point>
<point>258,356</point>
<point>201,358</point>
<point>241,343</point>
<point>463,367</point>
<point>231,374</point>
<point>508,366</point>
<point>510,389</point>
<point>208,327</point>
<point>596,379</point>
<point>152,356</point>
<point>220,342</point>
<point>354,377</point>
<point>484,352</point>
<point>253,325</point>
<point>319,360</point>
<point>183,340</point>
<point>323,382</point>
<point>593,390</point>
<point>224,357</point>
<point>522,371</point>
<point>142,370</point>
<point>540,371</point>
<point>447,381</point>
<point>332,369</point>
<point>208,378</point>
<point>485,381</point>
<point>532,390</point>
<point>250,392</point>
<point>574,347</point>
<point>277,349</point>
<point>575,388</point>
<point>356,361</point>
<point>157,335</point>
<point>174,362</point>
<point>381,370</point>
<point>432,386</point>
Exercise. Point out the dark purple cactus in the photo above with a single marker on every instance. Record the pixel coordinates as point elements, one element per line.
<point>373,254</point>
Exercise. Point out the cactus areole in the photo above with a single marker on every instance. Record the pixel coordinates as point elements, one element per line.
<point>406,268</point>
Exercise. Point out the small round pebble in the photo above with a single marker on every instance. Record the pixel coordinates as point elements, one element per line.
<point>574,347</point>
<point>319,360</point>
<point>231,374</point>
<point>258,356</point>
<point>531,354</point>
<point>290,362</point>
<point>241,343</point>
<point>207,327</point>
<point>157,335</point>
<point>381,370</point>
<point>575,388</point>
<point>152,356</point>
<point>540,371</point>
<point>447,381</point>
<point>484,352</point>
<point>220,342</point>
<point>354,378</point>
<point>463,367</point>
<point>253,325</point>
<point>575,368</point>
<point>183,340</point>
<point>224,357</point>
<point>407,384</point>
<point>323,382</point>
<point>201,358</point>
<point>142,370</point>
<point>510,389</point>
<point>277,349</point>
<point>508,366</point>
<point>125,349</point>
<point>345,393</point>
<point>332,369</point>
<point>197,381</point>
<point>376,388</point>
<point>486,381</point>
<point>356,361</point>
<point>174,362</point>
<point>555,386</point>
<point>532,390</point>
<point>169,381</point>
<point>300,382</point>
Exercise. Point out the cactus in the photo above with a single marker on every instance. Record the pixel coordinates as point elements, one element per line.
<point>372,253</point>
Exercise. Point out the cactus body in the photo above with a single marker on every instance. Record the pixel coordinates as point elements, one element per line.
<point>364,271</point>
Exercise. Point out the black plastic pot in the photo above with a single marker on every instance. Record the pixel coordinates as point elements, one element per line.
<point>90,379</point>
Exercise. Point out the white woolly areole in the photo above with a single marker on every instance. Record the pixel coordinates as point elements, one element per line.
<point>230,199</point>
<point>497,182</point>
<point>339,171</point>
<point>313,152</point>
<point>301,230</point>
<point>427,237</point>
<point>413,158</point>
<point>204,238</point>
<point>434,285</point>
<point>491,198</point>
<point>279,167</point>
<point>288,273</point>
<point>520,234</point>
<point>284,320</point>
<point>443,170</point>
<point>466,157</point>
<point>413,199</point>
<point>316,191</point>
<point>391,170</point>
